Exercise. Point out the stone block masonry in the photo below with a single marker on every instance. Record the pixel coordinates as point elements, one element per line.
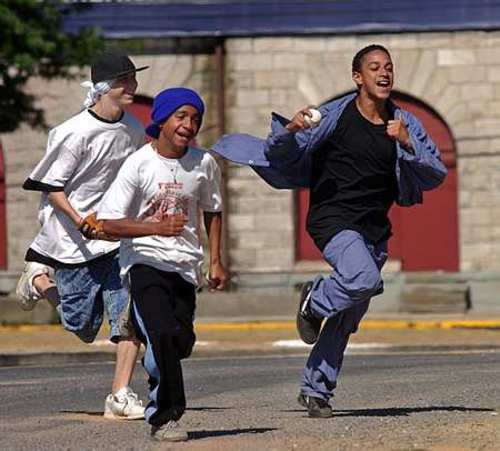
<point>456,73</point>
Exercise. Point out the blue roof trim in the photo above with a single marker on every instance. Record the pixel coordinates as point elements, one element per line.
<point>122,20</point>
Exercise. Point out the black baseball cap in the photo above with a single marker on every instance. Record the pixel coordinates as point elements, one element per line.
<point>112,65</point>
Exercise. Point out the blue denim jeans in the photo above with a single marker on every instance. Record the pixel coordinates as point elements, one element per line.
<point>86,292</point>
<point>343,298</point>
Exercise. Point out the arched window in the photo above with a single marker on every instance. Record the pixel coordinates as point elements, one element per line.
<point>425,237</point>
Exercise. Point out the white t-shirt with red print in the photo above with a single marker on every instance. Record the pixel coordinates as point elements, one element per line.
<point>149,186</point>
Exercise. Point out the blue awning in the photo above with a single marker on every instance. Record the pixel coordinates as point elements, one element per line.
<point>132,19</point>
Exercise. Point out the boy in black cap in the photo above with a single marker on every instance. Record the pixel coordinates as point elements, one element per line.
<point>78,275</point>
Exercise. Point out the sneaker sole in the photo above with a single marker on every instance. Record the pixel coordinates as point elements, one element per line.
<point>171,439</point>
<point>320,415</point>
<point>308,340</point>
<point>24,303</point>
<point>27,307</point>
<point>303,403</point>
<point>311,337</point>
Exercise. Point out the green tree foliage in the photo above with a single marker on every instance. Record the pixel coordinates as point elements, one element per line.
<point>32,44</point>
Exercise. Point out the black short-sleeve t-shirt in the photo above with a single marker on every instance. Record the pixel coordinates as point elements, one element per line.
<point>353,181</point>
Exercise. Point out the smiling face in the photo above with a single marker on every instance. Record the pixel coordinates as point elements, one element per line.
<point>180,128</point>
<point>375,76</point>
<point>123,90</point>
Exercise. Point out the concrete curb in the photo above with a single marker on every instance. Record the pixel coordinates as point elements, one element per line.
<point>82,358</point>
<point>55,358</point>
<point>75,355</point>
<point>70,354</point>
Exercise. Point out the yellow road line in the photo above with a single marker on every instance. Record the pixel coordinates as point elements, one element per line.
<point>429,324</point>
<point>29,328</point>
<point>290,325</point>
<point>365,325</point>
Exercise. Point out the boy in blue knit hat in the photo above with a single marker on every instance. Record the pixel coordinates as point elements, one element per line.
<point>153,206</point>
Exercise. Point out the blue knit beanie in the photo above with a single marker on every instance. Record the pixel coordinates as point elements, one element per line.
<point>167,102</point>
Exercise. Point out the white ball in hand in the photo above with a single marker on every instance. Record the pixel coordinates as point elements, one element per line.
<point>314,118</point>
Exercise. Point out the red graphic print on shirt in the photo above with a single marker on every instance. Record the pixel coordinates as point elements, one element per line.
<point>167,201</point>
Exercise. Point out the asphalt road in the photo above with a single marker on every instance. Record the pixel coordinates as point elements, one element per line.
<point>386,400</point>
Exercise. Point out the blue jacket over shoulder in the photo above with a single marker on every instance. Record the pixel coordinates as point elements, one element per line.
<point>283,160</point>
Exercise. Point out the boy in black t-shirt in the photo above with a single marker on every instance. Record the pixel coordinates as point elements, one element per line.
<point>353,185</point>
<point>363,155</point>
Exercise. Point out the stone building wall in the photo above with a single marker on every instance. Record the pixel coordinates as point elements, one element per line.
<point>458,74</point>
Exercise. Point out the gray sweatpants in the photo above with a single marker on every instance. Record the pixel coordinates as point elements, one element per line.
<point>343,298</point>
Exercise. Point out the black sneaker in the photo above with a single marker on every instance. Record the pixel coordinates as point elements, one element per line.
<point>316,407</point>
<point>307,325</point>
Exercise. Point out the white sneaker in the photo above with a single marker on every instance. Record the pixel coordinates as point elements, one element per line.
<point>123,405</point>
<point>169,432</point>
<point>26,292</point>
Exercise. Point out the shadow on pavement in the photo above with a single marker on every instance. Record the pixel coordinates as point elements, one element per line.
<point>92,413</point>
<point>397,411</point>
<point>208,409</point>
<point>403,411</point>
<point>205,434</point>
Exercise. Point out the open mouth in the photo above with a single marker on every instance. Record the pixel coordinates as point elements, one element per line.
<point>184,136</point>
<point>384,83</point>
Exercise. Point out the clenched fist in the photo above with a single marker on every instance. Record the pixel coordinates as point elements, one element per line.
<point>396,129</point>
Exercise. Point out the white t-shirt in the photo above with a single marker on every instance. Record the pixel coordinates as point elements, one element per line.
<point>149,186</point>
<point>83,157</point>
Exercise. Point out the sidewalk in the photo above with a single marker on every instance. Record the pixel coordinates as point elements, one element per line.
<point>237,324</point>
<point>51,344</point>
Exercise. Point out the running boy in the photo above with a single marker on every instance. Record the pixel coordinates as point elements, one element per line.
<point>365,154</point>
<point>153,205</point>
<point>83,156</point>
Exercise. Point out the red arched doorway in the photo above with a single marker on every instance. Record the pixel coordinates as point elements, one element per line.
<point>141,109</point>
<point>425,237</point>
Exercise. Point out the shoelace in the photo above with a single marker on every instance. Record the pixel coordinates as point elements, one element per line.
<point>134,397</point>
<point>170,425</point>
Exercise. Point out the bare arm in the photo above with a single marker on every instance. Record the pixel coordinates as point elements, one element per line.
<point>60,201</point>
<point>217,273</point>
<point>130,228</point>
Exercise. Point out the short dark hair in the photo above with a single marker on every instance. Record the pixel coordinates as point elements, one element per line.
<point>358,58</point>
